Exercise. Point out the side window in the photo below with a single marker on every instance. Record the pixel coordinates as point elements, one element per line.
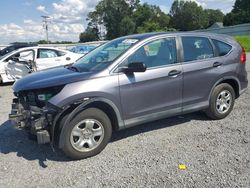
<point>9,49</point>
<point>222,47</point>
<point>47,53</point>
<point>24,56</point>
<point>157,53</point>
<point>61,53</point>
<point>196,48</point>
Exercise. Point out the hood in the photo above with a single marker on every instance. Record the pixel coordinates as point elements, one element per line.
<point>49,78</point>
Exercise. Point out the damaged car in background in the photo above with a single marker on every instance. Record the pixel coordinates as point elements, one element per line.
<point>141,78</point>
<point>24,61</point>
<point>15,46</point>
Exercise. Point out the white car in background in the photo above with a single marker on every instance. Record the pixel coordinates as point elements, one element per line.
<point>21,62</point>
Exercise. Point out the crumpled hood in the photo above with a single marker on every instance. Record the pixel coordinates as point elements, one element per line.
<point>49,78</point>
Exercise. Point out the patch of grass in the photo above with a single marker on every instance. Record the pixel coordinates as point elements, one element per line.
<point>244,41</point>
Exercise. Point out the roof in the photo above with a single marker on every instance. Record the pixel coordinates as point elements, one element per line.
<point>35,47</point>
<point>144,35</point>
<point>216,25</point>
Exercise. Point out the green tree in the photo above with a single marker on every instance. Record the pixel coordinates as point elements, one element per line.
<point>44,42</point>
<point>90,34</point>
<point>123,17</point>
<point>240,13</point>
<point>241,5</point>
<point>214,16</point>
<point>149,27</point>
<point>127,26</point>
<point>187,15</point>
<point>113,13</point>
<point>150,18</point>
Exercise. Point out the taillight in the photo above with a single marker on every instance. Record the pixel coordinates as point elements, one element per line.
<point>243,57</point>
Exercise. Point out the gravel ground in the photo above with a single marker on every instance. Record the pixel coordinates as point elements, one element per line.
<point>216,154</point>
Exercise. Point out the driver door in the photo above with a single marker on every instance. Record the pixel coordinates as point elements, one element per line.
<point>157,92</point>
<point>20,64</point>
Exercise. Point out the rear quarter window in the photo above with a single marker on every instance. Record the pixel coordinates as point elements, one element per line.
<point>60,53</point>
<point>222,47</point>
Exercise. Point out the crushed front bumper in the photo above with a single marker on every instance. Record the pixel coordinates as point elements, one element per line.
<point>17,114</point>
<point>34,120</point>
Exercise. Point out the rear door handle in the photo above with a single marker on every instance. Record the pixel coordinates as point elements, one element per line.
<point>217,64</point>
<point>174,73</point>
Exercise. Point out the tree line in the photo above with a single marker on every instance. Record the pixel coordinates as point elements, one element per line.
<point>124,17</point>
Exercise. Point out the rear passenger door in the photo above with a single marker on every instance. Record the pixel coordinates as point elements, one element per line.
<point>201,70</point>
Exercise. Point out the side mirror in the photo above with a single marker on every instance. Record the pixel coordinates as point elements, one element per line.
<point>134,67</point>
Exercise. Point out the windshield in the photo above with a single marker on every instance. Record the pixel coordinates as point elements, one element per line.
<point>82,49</point>
<point>103,56</point>
<point>2,57</point>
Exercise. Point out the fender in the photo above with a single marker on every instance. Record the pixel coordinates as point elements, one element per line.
<point>222,79</point>
<point>5,79</point>
<point>81,107</point>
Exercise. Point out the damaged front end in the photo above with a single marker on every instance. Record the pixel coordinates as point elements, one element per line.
<point>32,112</point>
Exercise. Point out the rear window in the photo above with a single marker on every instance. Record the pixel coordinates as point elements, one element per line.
<point>197,48</point>
<point>222,47</point>
<point>60,53</point>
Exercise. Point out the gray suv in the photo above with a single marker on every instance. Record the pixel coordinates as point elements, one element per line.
<point>129,81</point>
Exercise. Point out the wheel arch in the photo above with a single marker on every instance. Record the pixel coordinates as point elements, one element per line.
<point>108,110</point>
<point>103,104</point>
<point>234,85</point>
<point>232,81</point>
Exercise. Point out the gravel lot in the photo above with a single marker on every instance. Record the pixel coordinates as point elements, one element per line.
<point>216,154</point>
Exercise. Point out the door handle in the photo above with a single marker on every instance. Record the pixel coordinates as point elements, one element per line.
<point>217,64</point>
<point>174,73</point>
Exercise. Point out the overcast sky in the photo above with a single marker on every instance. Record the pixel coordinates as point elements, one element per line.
<point>21,19</point>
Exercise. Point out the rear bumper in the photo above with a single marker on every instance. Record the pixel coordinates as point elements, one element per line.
<point>244,86</point>
<point>35,121</point>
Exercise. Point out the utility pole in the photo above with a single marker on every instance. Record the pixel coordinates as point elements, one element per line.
<point>45,25</point>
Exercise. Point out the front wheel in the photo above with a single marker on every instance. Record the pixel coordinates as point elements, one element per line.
<point>221,101</point>
<point>87,134</point>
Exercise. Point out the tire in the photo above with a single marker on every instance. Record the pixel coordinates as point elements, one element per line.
<point>87,134</point>
<point>221,101</point>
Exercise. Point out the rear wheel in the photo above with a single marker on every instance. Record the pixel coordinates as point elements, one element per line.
<point>87,134</point>
<point>221,101</point>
